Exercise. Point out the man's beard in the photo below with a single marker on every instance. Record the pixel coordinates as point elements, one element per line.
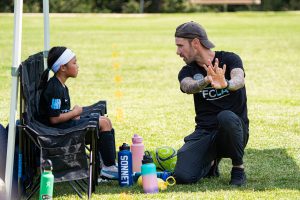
<point>188,61</point>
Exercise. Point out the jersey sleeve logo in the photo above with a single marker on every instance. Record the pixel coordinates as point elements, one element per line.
<point>56,103</point>
<point>198,77</point>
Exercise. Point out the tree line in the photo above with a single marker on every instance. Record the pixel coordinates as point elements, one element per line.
<point>149,6</point>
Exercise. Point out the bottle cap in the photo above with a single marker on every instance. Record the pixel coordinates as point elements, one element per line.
<point>137,139</point>
<point>147,158</point>
<point>148,167</point>
<point>47,165</point>
<point>124,147</point>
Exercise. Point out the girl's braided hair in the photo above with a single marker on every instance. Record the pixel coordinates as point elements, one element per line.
<point>53,55</point>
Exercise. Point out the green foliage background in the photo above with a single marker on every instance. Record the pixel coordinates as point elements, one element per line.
<point>152,104</point>
<point>150,6</point>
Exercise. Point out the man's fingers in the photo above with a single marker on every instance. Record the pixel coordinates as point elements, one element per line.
<point>211,70</point>
<point>209,62</point>
<point>216,65</point>
<point>208,69</point>
<point>217,70</point>
<point>224,68</point>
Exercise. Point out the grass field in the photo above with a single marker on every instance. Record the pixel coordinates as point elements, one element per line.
<point>131,61</point>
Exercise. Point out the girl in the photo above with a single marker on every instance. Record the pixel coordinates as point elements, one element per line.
<point>55,104</point>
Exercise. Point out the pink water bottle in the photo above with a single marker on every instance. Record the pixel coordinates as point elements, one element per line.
<point>137,150</point>
<point>149,177</point>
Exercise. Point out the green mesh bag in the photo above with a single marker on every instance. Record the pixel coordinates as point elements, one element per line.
<point>165,158</point>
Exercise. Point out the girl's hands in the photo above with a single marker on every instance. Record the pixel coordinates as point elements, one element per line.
<point>77,110</point>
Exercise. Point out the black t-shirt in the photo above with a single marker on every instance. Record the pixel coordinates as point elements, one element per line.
<point>209,102</point>
<point>54,100</point>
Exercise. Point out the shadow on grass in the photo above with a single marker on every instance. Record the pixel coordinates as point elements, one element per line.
<point>266,170</point>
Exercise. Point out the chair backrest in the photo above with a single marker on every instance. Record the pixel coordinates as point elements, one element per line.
<point>64,147</point>
<point>31,72</point>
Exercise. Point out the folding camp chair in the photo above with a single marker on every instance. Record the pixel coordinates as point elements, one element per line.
<point>64,147</point>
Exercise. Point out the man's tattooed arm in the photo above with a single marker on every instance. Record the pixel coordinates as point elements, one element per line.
<point>191,86</point>
<point>237,80</point>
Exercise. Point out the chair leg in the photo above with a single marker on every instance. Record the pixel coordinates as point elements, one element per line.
<point>93,160</point>
<point>80,186</point>
<point>84,181</point>
<point>90,175</point>
<point>35,189</point>
<point>78,193</point>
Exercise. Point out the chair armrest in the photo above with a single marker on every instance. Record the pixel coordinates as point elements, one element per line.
<point>97,108</point>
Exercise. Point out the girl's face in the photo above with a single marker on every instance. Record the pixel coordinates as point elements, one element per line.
<point>72,68</point>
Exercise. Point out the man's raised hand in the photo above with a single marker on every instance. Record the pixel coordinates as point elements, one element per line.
<point>216,75</point>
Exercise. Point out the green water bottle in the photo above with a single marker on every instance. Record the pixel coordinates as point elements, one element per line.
<point>47,181</point>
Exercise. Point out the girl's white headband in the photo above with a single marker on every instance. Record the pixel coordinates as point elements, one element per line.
<point>63,59</point>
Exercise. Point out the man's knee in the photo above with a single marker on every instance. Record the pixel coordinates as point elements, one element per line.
<point>184,178</point>
<point>228,119</point>
<point>185,172</point>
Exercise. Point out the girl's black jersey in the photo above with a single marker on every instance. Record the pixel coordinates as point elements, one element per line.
<point>54,100</point>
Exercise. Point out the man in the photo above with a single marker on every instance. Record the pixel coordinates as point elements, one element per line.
<point>216,80</point>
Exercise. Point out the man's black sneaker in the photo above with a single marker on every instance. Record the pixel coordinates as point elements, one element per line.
<point>238,176</point>
<point>214,170</point>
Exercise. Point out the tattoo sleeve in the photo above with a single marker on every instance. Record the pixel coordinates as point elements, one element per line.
<point>191,86</point>
<point>237,79</point>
